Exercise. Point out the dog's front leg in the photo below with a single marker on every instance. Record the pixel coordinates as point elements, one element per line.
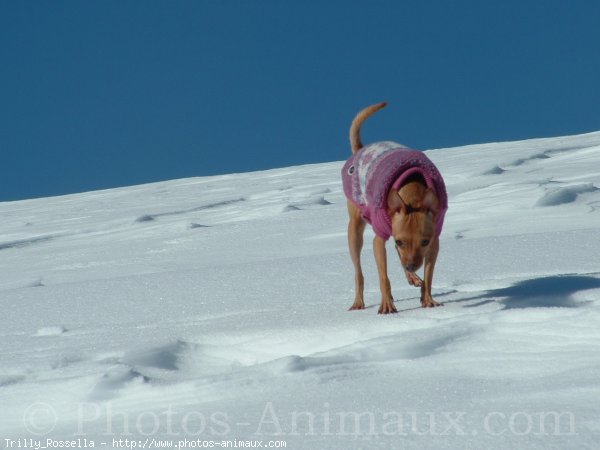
<point>387,302</point>
<point>427,300</point>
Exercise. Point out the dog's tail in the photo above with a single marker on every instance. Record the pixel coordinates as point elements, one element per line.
<point>355,141</point>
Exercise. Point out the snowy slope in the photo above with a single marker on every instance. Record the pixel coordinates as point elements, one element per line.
<point>216,309</point>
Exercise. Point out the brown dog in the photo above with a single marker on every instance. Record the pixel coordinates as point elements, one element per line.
<point>401,193</point>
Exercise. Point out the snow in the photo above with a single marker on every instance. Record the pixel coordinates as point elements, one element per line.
<point>215,309</point>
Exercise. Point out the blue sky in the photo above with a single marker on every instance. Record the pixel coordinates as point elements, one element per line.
<point>99,94</point>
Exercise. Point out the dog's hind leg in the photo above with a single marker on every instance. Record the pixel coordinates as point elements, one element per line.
<point>356,228</point>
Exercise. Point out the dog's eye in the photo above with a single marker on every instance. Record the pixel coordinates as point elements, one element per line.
<point>424,242</point>
<point>399,243</point>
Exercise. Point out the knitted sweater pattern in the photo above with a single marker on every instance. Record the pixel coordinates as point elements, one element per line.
<point>371,172</point>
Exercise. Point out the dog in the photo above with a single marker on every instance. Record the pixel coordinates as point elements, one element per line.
<point>401,194</point>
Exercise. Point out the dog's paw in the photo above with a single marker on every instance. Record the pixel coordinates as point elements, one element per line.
<point>357,305</point>
<point>413,279</point>
<point>428,302</point>
<point>387,307</point>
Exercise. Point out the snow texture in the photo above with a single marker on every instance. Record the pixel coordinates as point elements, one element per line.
<point>216,309</point>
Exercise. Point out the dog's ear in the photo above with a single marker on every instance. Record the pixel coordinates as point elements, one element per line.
<point>431,202</point>
<point>395,202</point>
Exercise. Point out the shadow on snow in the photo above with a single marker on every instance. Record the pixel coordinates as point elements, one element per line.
<point>545,292</point>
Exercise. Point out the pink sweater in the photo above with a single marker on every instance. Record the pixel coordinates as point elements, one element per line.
<point>374,170</point>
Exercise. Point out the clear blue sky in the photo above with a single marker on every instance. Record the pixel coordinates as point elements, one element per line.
<point>98,94</point>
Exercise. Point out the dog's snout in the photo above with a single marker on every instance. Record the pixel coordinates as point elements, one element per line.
<point>411,267</point>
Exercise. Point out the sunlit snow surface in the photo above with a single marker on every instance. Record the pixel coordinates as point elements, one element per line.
<point>216,309</point>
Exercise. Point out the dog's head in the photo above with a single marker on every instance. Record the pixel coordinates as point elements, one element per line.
<point>413,210</point>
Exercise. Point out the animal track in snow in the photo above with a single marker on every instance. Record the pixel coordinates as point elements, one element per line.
<point>176,361</point>
<point>66,361</point>
<point>564,195</point>
<point>152,217</point>
<point>521,161</point>
<point>164,358</point>
<point>7,380</point>
<point>145,218</point>
<point>496,170</point>
<point>51,331</point>
<point>37,283</point>
<point>193,226</point>
<point>321,201</point>
<point>381,349</point>
<point>25,242</point>
<point>459,235</point>
<point>115,379</point>
<point>139,367</point>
